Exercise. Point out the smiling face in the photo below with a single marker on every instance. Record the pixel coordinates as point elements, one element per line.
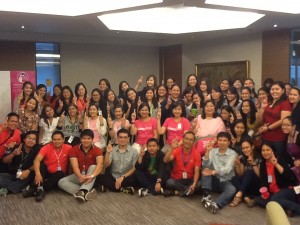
<point>86,141</point>
<point>81,91</point>
<point>188,141</point>
<point>72,111</point>
<point>124,86</point>
<point>57,140</point>
<point>209,109</point>
<point>177,111</point>
<point>225,115</point>
<point>237,84</point>
<point>249,84</point>
<point>215,95</point>
<point>196,99</point>
<point>246,107</point>
<point>111,96</point>
<point>57,91</point>
<point>30,140</point>
<point>66,94</point>
<point>230,96</point>
<point>28,89</point>
<point>287,126</point>
<point>31,104</point>
<point>239,129</point>
<point>131,95</point>
<point>203,86</point>
<point>262,95</point>
<point>175,92</point>
<point>118,113</point>
<point>152,147</point>
<point>93,111</point>
<point>170,83</point>
<point>247,148</point>
<point>96,96</point>
<point>266,152</point>
<point>224,85</point>
<point>49,112</point>
<point>12,122</point>
<point>245,94</point>
<point>149,95</point>
<point>161,91</point>
<point>276,92</point>
<point>192,81</point>
<point>41,92</point>
<point>294,96</point>
<point>144,112</point>
<point>103,85</point>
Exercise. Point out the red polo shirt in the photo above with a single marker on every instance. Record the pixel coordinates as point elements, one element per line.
<point>192,160</point>
<point>14,138</point>
<point>51,157</point>
<point>85,160</point>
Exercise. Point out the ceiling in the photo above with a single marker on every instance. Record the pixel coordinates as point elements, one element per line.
<point>89,29</point>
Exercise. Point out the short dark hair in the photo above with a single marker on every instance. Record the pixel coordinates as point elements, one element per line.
<point>190,132</point>
<point>224,134</point>
<point>87,132</point>
<point>23,136</point>
<point>12,114</point>
<point>123,131</point>
<point>152,140</point>
<point>58,132</point>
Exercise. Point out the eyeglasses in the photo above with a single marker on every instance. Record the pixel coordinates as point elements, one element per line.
<point>122,137</point>
<point>30,138</point>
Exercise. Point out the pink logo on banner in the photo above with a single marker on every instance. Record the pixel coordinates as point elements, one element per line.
<point>17,78</point>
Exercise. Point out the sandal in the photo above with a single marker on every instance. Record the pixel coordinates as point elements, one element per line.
<point>250,202</point>
<point>236,201</point>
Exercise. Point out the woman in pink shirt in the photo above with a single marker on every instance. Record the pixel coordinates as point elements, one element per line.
<point>144,128</point>
<point>174,127</point>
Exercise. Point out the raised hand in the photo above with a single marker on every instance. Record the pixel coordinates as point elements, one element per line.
<point>123,121</point>
<point>109,120</point>
<point>273,160</point>
<point>60,103</point>
<point>158,115</point>
<point>237,161</point>
<point>140,80</point>
<point>20,96</point>
<point>18,150</point>
<point>175,143</point>
<point>109,147</point>
<point>142,151</point>
<point>108,108</point>
<point>169,101</point>
<point>133,116</point>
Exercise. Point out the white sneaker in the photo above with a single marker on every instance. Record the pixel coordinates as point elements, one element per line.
<point>143,192</point>
<point>205,199</point>
<point>90,195</point>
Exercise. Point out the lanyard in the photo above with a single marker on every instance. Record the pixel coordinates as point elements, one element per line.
<point>23,159</point>
<point>185,162</point>
<point>58,156</point>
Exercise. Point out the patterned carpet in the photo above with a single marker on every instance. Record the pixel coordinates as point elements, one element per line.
<point>117,208</point>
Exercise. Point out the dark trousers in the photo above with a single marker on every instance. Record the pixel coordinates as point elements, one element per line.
<point>248,184</point>
<point>285,197</point>
<point>109,182</point>
<point>50,180</point>
<point>13,184</point>
<point>145,180</point>
<point>180,185</point>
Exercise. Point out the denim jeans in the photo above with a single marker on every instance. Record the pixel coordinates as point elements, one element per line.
<point>14,184</point>
<point>72,185</point>
<point>285,197</point>
<point>179,185</point>
<point>248,184</point>
<point>225,188</point>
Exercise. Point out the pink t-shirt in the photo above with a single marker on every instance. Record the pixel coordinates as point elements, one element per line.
<point>145,130</point>
<point>176,129</point>
<point>209,127</point>
<point>93,127</point>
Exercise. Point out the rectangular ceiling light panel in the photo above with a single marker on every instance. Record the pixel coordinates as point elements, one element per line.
<point>180,19</point>
<point>284,6</point>
<point>70,7</point>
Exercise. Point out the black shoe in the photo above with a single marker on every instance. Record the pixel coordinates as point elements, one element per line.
<point>30,192</point>
<point>128,190</point>
<point>40,195</point>
<point>168,193</point>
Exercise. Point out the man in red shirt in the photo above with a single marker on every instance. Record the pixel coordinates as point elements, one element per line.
<point>54,166</point>
<point>186,170</point>
<point>9,136</point>
<point>87,163</point>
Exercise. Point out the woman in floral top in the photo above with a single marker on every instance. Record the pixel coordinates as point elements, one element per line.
<point>28,118</point>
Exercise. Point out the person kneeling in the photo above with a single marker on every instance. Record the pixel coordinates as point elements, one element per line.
<point>186,170</point>
<point>87,162</point>
<point>150,169</point>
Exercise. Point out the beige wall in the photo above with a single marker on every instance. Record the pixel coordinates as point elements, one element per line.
<point>224,50</point>
<point>88,63</point>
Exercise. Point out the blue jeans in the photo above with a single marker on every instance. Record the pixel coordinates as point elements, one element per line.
<point>14,184</point>
<point>285,197</point>
<point>225,188</point>
<point>248,184</point>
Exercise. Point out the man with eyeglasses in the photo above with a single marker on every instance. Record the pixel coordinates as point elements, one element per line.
<point>121,159</point>
<point>186,168</point>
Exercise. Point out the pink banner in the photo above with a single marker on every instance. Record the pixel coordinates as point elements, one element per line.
<point>17,78</point>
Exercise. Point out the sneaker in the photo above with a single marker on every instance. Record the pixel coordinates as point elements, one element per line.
<point>168,193</point>
<point>206,199</point>
<point>128,190</point>
<point>211,206</point>
<point>40,195</point>
<point>3,191</point>
<point>90,195</point>
<point>143,192</point>
<point>30,192</point>
<point>80,196</point>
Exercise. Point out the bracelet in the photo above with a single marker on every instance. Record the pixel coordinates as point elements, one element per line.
<point>92,176</point>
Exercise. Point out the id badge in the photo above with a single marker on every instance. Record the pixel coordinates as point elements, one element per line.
<point>19,173</point>
<point>270,179</point>
<point>184,175</point>
<point>59,168</point>
<point>70,139</point>
<point>83,172</point>
<point>179,126</point>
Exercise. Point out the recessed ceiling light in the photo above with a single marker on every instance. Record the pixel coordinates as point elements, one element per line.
<point>70,7</point>
<point>179,19</point>
<point>275,25</point>
<point>286,6</point>
<point>23,27</point>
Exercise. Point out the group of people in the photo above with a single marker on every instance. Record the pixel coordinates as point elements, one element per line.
<point>229,139</point>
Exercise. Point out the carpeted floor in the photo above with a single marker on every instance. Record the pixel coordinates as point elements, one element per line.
<point>117,208</point>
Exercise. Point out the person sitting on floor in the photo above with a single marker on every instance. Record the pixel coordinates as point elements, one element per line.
<point>150,169</point>
<point>87,161</point>
<point>50,165</point>
<point>20,164</point>
<point>121,159</point>
<point>218,164</point>
<point>186,170</point>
